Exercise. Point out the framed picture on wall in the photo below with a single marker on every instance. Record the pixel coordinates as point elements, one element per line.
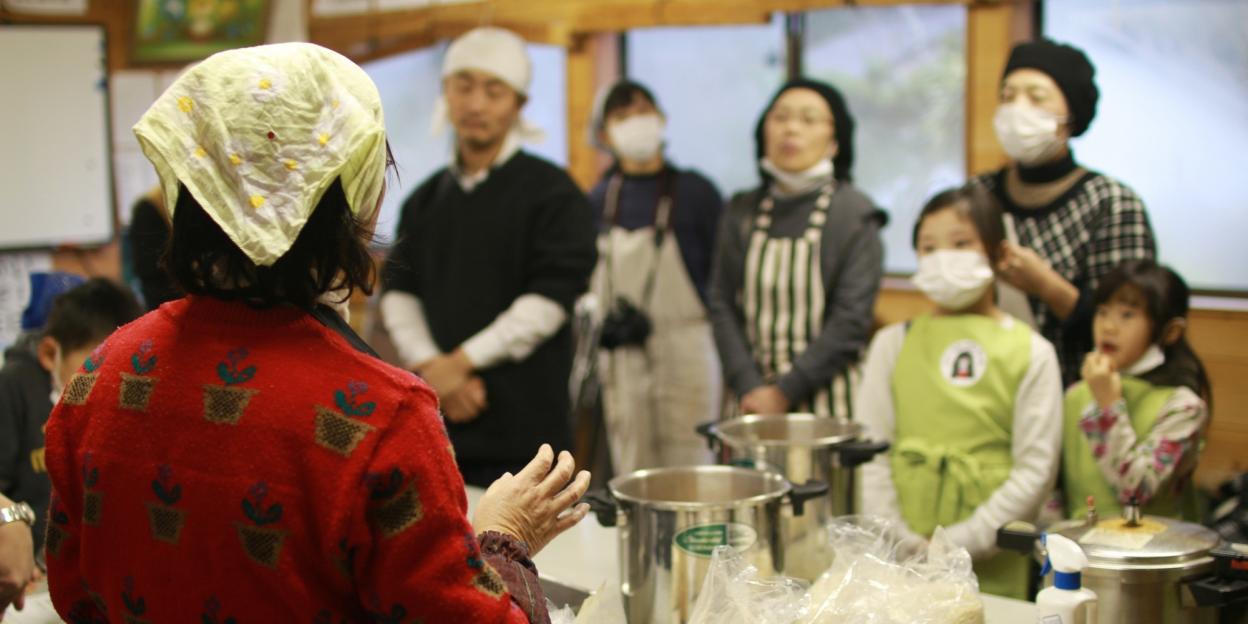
<point>180,31</point>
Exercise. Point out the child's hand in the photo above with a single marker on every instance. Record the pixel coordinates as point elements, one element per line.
<point>1104,382</point>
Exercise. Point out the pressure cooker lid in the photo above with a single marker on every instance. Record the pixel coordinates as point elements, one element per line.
<point>787,430</point>
<point>697,487</point>
<point>1155,541</point>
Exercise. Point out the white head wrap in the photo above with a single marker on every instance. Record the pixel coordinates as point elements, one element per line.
<point>258,134</point>
<point>500,53</point>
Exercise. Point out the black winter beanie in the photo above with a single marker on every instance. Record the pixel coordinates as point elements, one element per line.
<point>1070,68</point>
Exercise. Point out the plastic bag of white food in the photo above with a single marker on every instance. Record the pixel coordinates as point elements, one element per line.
<point>563,615</point>
<point>604,606</point>
<point>877,579</point>
<point>734,593</point>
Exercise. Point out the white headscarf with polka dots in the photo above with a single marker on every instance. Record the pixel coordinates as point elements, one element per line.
<point>258,134</point>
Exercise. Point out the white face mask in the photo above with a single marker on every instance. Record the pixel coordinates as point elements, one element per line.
<point>1028,134</point>
<point>954,279</point>
<point>1152,358</point>
<point>637,138</point>
<point>793,182</point>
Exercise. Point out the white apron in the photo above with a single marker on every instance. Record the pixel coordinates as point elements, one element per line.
<point>654,397</point>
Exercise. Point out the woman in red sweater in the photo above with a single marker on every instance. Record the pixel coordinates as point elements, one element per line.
<point>240,454</point>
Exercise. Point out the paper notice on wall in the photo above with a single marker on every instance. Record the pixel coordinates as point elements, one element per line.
<point>47,7</point>
<point>15,270</point>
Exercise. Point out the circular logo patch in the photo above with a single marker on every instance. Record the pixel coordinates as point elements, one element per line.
<point>963,363</point>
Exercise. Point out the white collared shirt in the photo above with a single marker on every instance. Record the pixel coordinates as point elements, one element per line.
<point>470,181</point>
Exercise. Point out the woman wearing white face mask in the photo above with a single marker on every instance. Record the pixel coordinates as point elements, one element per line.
<point>656,234</point>
<point>1067,225</point>
<point>969,396</point>
<point>799,262</point>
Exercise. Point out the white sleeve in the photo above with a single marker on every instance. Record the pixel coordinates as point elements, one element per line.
<point>409,330</point>
<point>1036,446</point>
<point>873,408</point>
<point>530,321</point>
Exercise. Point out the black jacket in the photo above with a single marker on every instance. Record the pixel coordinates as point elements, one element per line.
<point>24,407</point>
<point>526,229</point>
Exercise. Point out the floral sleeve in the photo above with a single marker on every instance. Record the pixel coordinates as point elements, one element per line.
<point>1142,467</point>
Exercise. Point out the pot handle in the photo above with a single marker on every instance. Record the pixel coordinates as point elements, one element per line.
<point>799,494</point>
<point>707,430</point>
<point>603,505</point>
<point>1212,591</point>
<point>858,452</point>
<point>1018,536</point>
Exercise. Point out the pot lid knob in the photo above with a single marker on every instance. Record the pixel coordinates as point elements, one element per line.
<point>1131,512</point>
<point>1091,519</point>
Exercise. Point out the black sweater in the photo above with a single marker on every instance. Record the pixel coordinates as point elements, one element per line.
<point>24,407</point>
<point>527,229</point>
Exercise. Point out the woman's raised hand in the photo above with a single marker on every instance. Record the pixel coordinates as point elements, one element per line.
<point>535,505</point>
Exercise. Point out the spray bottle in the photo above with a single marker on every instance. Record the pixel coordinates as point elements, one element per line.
<point>1067,601</point>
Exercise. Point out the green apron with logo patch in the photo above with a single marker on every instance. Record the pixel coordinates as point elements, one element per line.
<point>1082,477</point>
<point>954,391</point>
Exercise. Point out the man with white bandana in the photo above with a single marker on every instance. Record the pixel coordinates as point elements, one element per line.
<point>491,253</point>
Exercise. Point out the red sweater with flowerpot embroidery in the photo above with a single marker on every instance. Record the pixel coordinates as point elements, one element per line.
<point>216,463</point>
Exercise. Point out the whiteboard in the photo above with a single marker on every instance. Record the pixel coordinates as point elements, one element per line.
<point>55,172</point>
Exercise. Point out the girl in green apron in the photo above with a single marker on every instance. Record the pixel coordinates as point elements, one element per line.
<point>969,396</point>
<point>1135,424</point>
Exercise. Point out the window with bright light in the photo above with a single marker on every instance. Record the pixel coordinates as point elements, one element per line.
<point>902,70</point>
<point>1172,122</point>
<point>712,82</point>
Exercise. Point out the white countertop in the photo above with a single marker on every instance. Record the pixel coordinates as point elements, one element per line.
<point>587,556</point>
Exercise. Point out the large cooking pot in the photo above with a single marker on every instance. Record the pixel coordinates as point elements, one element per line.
<point>670,521</point>
<point>800,447</point>
<point>1149,569</point>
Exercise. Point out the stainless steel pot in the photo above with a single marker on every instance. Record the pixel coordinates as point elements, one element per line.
<point>800,447</point>
<point>1148,569</point>
<point>670,521</point>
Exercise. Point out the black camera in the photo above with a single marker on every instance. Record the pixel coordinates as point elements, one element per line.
<point>625,326</point>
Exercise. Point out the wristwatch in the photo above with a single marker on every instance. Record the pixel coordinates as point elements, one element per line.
<point>15,512</point>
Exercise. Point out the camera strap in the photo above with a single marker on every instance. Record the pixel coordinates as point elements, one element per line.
<point>662,221</point>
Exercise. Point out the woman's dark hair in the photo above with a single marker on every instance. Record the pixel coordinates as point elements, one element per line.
<point>1166,298</point>
<point>974,204</point>
<point>331,252</point>
<point>89,312</point>
<point>622,95</point>
<point>842,127</point>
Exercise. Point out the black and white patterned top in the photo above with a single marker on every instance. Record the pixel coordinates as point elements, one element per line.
<point>1083,234</point>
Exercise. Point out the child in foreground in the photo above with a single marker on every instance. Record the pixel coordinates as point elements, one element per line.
<point>1134,425</point>
<point>969,396</point>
